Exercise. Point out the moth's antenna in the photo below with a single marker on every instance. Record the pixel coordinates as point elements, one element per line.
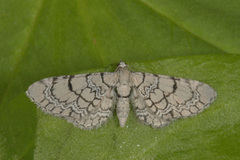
<point>110,66</point>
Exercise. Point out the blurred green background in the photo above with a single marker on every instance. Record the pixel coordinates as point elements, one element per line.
<point>194,39</point>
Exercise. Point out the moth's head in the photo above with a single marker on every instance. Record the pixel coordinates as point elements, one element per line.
<point>121,65</point>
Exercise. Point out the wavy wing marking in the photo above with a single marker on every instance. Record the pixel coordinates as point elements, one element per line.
<point>86,100</point>
<point>159,100</point>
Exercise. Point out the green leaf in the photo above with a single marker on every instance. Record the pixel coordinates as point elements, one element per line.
<point>188,39</point>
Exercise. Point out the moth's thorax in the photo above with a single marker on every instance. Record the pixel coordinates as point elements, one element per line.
<point>123,86</point>
<point>124,75</point>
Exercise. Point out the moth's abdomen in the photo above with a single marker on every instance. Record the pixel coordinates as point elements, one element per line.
<point>123,94</point>
<point>122,110</point>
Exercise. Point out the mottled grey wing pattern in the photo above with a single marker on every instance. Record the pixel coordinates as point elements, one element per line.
<point>86,100</point>
<point>158,99</point>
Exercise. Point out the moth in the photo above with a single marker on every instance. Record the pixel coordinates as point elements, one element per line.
<point>88,100</point>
